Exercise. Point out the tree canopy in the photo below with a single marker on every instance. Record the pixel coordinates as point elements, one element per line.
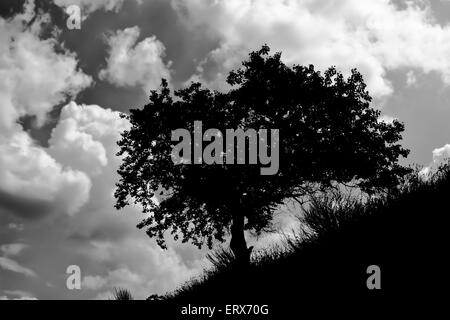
<point>328,133</point>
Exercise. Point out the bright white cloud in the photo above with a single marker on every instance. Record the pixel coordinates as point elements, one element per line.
<point>441,154</point>
<point>440,157</point>
<point>374,36</point>
<point>135,64</point>
<point>83,135</point>
<point>29,171</point>
<point>34,79</point>
<point>85,139</point>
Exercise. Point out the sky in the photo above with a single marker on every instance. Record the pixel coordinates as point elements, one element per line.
<point>62,91</point>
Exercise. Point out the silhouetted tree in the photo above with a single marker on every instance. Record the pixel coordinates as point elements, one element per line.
<point>329,134</point>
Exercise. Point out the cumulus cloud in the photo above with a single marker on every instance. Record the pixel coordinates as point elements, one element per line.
<point>83,135</point>
<point>35,78</point>
<point>441,154</point>
<point>85,138</point>
<point>440,157</point>
<point>373,36</point>
<point>135,64</point>
<point>74,177</point>
<point>30,172</point>
<point>103,242</point>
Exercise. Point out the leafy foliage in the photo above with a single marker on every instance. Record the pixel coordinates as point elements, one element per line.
<point>328,134</point>
<point>122,294</point>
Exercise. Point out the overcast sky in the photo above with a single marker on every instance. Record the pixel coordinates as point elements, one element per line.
<point>61,91</point>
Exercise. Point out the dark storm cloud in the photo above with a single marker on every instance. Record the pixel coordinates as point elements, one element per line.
<point>9,8</point>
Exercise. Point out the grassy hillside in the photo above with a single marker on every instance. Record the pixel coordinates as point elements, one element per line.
<point>405,233</point>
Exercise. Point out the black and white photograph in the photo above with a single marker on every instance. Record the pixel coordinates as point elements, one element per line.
<point>224,159</point>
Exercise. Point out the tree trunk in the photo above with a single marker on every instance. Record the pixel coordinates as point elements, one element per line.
<point>237,244</point>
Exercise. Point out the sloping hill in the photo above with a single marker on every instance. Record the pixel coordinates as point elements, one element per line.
<point>405,233</point>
